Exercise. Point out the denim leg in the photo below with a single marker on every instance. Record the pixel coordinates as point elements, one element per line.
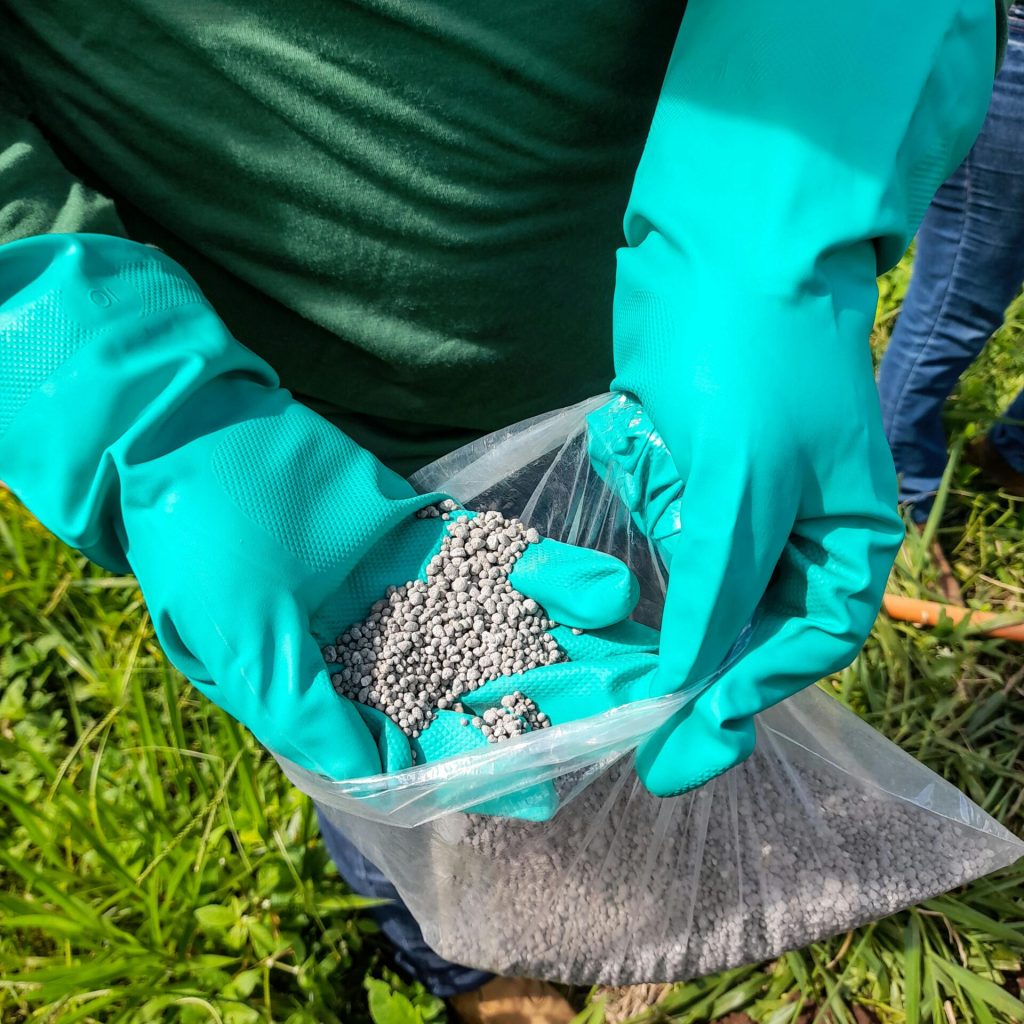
<point>968,265</point>
<point>413,957</point>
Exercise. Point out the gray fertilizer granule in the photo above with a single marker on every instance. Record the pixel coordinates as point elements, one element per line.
<point>428,643</point>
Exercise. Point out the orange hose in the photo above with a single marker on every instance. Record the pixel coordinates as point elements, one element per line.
<point>927,613</point>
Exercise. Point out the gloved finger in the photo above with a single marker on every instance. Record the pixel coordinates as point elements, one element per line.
<point>451,734</point>
<point>576,586</point>
<point>275,682</point>
<point>626,637</point>
<point>617,437</point>
<point>446,736</point>
<point>629,455</point>
<point>393,746</point>
<point>813,621</point>
<point>817,614</point>
<point>535,803</point>
<point>737,512</point>
<point>572,690</point>
<point>692,748</point>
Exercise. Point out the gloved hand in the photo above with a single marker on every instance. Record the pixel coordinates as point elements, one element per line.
<point>138,430</point>
<point>792,153</point>
<point>588,593</point>
<point>607,668</point>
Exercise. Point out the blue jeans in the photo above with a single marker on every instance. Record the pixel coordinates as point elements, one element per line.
<point>412,956</point>
<point>968,265</point>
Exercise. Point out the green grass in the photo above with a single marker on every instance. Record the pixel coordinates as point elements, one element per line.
<point>156,866</point>
<point>154,863</point>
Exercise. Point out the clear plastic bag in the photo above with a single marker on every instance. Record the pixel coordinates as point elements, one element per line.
<point>828,825</point>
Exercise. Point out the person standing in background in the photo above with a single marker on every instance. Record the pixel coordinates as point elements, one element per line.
<point>968,264</point>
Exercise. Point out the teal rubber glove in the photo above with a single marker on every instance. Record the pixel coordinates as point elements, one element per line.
<point>588,593</point>
<point>792,153</point>
<point>141,432</point>
<point>138,430</point>
<point>607,668</point>
<point>611,659</point>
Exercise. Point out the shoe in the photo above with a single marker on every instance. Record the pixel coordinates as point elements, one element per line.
<point>995,470</point>
<point>512,1001</point>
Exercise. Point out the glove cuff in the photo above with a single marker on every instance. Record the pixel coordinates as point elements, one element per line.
<point>104,342</point>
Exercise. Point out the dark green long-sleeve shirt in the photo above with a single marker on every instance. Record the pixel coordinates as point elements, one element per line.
<point>409,207</point>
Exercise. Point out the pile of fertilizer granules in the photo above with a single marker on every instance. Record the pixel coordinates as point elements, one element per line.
<point>428,643</point>
<point>624,887</point>
<point>517,714</point>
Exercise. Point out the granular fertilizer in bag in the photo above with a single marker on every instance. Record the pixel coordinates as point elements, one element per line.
<point>427,643</point>
<point>516,716</point>
<point>609,894</point>
<point>828,825</point>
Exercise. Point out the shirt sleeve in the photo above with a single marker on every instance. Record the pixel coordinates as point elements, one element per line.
<point>38,195</point>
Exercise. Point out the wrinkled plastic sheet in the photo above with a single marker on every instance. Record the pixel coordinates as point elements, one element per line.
<point>827,826</point>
